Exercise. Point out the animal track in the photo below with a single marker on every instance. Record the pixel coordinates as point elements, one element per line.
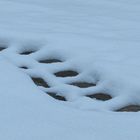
<point>129,108</point>
<point>83,84</point>
<point>27,52</point>
<point>59,76</point>
<point>24,67</point>
<point>100,96</point>
<point>40,82</point>
<point>49,61</point>
<point>56,96</point>
<point>67,73</point>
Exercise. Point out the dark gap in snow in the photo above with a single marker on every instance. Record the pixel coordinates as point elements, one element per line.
<point>40,82</point>
<point>27,52</point>
<point>48,61</point>
<point>24,67</point>
<point>129,108</point>
<point>83,84</point>
<point>2,47</point>
<point>67,73</point>
<point>56,96</point>
<point>100,96</point>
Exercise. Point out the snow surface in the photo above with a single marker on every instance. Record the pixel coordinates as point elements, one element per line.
<point>98,39</point>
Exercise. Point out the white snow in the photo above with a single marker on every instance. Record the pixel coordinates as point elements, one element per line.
<point>98,39</point>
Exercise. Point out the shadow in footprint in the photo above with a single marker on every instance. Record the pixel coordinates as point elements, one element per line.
<point>129,108</point>
<point>40,82</point>
<point>67,73</point>
<point>3,47</point>
<point>56,96</point>
<point>83,84</point>
<point>27,52</point>
<point>24,67</point>
<point>49,61</point>
<point>100,96</point>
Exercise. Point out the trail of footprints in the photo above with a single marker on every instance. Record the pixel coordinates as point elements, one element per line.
<point>69,73</point>
<point>66,73</point>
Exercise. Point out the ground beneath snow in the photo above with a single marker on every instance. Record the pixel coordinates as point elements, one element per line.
<point>69,69</point>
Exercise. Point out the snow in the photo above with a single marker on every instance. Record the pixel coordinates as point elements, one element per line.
<point>97,39</point>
